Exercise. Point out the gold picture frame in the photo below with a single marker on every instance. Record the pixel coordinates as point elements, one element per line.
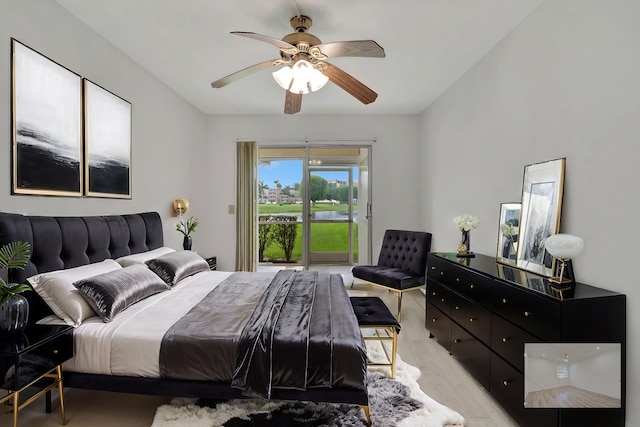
<point>542,190</point>
<point>47,125</point>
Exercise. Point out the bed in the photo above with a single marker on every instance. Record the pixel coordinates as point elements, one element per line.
<point>130,350</point>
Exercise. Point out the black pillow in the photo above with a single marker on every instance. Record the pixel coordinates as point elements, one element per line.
<point>175,266</point>
<point>110,293</point>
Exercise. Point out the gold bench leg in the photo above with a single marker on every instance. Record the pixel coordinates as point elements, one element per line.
<point>367,415</point>
<point>16,404</point>
<point>394,347</point>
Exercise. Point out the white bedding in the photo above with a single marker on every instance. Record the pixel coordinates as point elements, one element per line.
<point>129,345</point>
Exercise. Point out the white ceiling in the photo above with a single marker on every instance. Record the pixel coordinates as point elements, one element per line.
<point>186,44</point>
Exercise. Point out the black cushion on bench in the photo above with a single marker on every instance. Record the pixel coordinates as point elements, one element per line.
<point>372,311</point>
<point>402,263</point>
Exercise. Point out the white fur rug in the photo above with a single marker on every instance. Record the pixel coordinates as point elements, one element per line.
<point>184,412</point>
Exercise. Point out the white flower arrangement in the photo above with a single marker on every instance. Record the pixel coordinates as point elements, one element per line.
<point>466,222</point>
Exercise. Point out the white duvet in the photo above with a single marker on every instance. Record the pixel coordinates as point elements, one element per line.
<point>129,345</point>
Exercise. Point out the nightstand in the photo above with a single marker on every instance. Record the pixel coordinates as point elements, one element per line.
<point>30,365</point>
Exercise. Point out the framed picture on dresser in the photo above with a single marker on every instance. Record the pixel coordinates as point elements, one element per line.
<point>542,189</point>
<point>46,124</point>
<point>508,233</point>
<point>107,143</point>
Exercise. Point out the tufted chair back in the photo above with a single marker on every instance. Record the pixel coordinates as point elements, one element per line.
<point>406,250</point>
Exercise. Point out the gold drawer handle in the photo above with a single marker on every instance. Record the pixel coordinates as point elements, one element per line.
<point>504,300</point>
<point>472,286</point>
<point>505,339</point>
<point>55,351</point>
<point>442,299</point>
<point>473,319</point>
<point>457,307</point>
<point>457,341</point>
<point>506,382</point>
<point>433,293</point>
<point>435,319</point>
<point>457,279</point>
<point>433,268</point>
<point>528,313</point>
<point>442,273</point>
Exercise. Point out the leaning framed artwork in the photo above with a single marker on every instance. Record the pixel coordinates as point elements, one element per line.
<point>508,233</point>
<point>47,125</point>
<point>107,143</point>
<point>542,190</point>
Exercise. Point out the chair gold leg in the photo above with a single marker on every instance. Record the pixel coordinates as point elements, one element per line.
<point>399,307</point>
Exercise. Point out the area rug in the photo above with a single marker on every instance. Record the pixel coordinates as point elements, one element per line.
<point>398,402</point>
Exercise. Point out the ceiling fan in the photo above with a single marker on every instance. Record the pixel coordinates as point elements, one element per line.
<point>305,68</point>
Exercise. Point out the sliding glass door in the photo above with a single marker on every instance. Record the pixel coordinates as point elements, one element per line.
<point>309,203</point>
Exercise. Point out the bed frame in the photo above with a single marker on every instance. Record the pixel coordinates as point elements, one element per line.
<point>66,242</point>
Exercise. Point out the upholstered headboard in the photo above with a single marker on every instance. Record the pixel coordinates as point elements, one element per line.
<point>65,242</point>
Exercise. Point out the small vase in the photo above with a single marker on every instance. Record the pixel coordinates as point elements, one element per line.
<point>186,243</point>
<point>14,315</point>
<point>464,249</point>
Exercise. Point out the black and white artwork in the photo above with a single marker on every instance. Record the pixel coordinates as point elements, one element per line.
<point>47,125</point>
<point>107,143</point>
<point>508,230</point>
<point>542,190</point>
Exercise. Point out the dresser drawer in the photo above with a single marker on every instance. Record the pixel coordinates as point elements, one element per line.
<point>438,269</point>
<point>472,354</point>
<point>508,341</point>
<point>473,285</point>
<point>438,325</point>
<point>535,314</point>
<point>473,317</point>
<point>439,296</point>
<point>507,387</point>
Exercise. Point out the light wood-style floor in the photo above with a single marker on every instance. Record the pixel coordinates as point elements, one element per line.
<point>569,397</point>
<point>442,378</point>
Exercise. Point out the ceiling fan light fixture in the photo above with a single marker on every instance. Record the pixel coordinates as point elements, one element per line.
<point>300,78</point>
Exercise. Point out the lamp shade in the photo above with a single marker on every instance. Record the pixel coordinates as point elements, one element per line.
<point>300,77</point>
<point>564,246</point>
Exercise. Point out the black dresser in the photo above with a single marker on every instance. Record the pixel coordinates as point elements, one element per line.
<point>484,312</point>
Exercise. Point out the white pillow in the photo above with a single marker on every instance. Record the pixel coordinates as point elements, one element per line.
<point>140,258</point>
<point>57,290</point>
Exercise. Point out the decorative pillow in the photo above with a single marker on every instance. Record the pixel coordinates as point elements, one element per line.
<point>176,266</point>
<point>112,292</point>
<point>140,258</point>
<point>57,290</point>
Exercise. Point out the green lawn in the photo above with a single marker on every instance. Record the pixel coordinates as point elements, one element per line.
<point>324,238</point>
<point>268,209</point>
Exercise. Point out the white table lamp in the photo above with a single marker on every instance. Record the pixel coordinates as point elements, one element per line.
<point>563,247</point>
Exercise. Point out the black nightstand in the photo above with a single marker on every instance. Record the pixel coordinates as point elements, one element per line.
<point>30,365</point>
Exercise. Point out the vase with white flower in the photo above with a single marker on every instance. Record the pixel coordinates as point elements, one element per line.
<point>186,227</point>
<point>465,223</point>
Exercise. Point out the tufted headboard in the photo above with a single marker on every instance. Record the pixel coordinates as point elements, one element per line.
<point>65,242</point>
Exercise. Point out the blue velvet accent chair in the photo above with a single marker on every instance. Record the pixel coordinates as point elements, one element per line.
<point>402,263</point>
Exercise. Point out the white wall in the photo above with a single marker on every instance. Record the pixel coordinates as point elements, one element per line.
<point>165,128</point>
<point>541,374</point>
<point>599,374</point>
<point>565,83</point>
<point>395,169</point>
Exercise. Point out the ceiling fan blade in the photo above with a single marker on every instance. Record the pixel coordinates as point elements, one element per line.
<point>363,48</point>
<point>292,102</point>
<point>271,40</point>
<point>357,89</point>
<point>243,73</point>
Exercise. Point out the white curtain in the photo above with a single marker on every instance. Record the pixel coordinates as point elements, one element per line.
<point>246,209</point>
